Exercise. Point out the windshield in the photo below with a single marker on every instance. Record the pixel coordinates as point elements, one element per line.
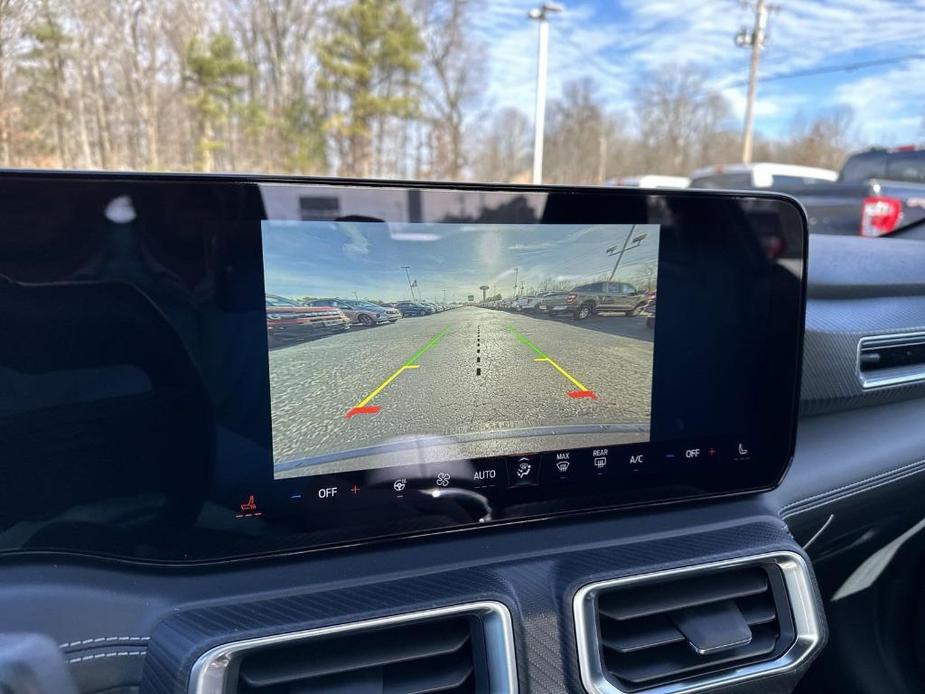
<point>446,89</point>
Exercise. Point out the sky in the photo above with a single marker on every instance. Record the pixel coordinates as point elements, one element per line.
<point>614,40</point>
<point>328,259</point>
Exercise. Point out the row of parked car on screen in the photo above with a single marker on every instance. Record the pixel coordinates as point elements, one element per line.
<point>584,301</point>
<point>291,320</point>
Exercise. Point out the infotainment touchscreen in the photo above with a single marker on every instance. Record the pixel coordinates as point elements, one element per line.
<point>491,339</point>
<point>200,368</point>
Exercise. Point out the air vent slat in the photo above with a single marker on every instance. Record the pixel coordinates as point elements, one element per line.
<point>626,636</point>
<point>357,652</point>
<point>676,660</point>
<point>648,632</point>
<point>439,675</point>
<point>758,610</point>
<point>655,599</point>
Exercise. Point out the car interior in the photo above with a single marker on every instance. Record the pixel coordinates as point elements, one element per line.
<point>171,524</point>
<point>462,347</point>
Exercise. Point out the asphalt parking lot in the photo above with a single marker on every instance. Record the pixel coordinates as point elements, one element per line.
<point>462,371</point>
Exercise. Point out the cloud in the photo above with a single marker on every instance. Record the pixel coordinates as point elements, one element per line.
<point>616,44</point>
<point>530,246</point>
<point>357,244</point>
<point>888,120</point>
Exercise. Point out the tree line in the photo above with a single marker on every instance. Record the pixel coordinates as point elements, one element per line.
<point>381,88</point>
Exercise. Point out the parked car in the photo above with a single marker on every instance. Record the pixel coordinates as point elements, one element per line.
<point>878,192</point>
<point>290,321</point>
<point>360,312</point>
<point>528,304</point>
<point>393,313</point>
<point>649,312</point>
<point>413,308</point>
<point>761,175</point>
<point>650,181</point>
<point>597,297</point>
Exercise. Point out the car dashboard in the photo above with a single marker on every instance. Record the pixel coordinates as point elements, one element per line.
<point>724,585</point>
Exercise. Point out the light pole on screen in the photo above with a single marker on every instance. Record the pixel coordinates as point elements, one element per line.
<point>541,15</point>
<point>626,247</point>
<point>407,269</point>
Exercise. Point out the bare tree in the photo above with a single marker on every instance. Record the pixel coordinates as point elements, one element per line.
<point>679,119</point>
<point>504,154</point>
<point>578,135</point>
<point>453,61</point>
<point>824,141</point>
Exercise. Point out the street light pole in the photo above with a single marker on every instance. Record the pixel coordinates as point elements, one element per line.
<point>541,14</point>
<point>637,240</point>
<point>407,269</point>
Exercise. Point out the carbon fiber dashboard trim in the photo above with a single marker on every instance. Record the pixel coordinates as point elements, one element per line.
<point>858,288</point>
<point>537,588</point>
<point>830,350</point>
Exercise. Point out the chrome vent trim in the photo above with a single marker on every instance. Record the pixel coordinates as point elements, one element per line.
<point>802,604</point>
<point>913,373</point>
<point>211,671</point>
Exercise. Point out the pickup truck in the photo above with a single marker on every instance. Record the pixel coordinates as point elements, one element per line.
<point>597,297</point>
<point>878,192</point>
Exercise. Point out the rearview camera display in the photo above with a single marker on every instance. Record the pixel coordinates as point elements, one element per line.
<point>397,343</point>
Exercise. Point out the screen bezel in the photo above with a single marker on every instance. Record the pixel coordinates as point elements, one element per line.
<point>475,189</point>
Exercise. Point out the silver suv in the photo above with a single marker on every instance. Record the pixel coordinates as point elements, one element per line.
<point>360,312</point>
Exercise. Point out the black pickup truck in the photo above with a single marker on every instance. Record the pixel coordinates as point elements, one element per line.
<point>878,192</point>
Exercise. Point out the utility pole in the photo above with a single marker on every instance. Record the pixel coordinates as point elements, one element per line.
<point>753,39</point>
<point>407,269</point>
<point>516,271</point>
<point>541,15</point>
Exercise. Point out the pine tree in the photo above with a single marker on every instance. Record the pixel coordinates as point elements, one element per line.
<point>45,70</point>
<point>367,68</point>
<point>214,73</point>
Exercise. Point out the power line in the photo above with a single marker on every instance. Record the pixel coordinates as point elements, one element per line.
<point>827,69</point>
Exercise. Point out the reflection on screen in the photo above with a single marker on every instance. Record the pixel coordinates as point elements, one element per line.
<point>491,338</point>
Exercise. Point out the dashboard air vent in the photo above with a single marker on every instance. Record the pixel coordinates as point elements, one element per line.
<point>681,630</point>
<point>891,360</point>
<point>466,648</point>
